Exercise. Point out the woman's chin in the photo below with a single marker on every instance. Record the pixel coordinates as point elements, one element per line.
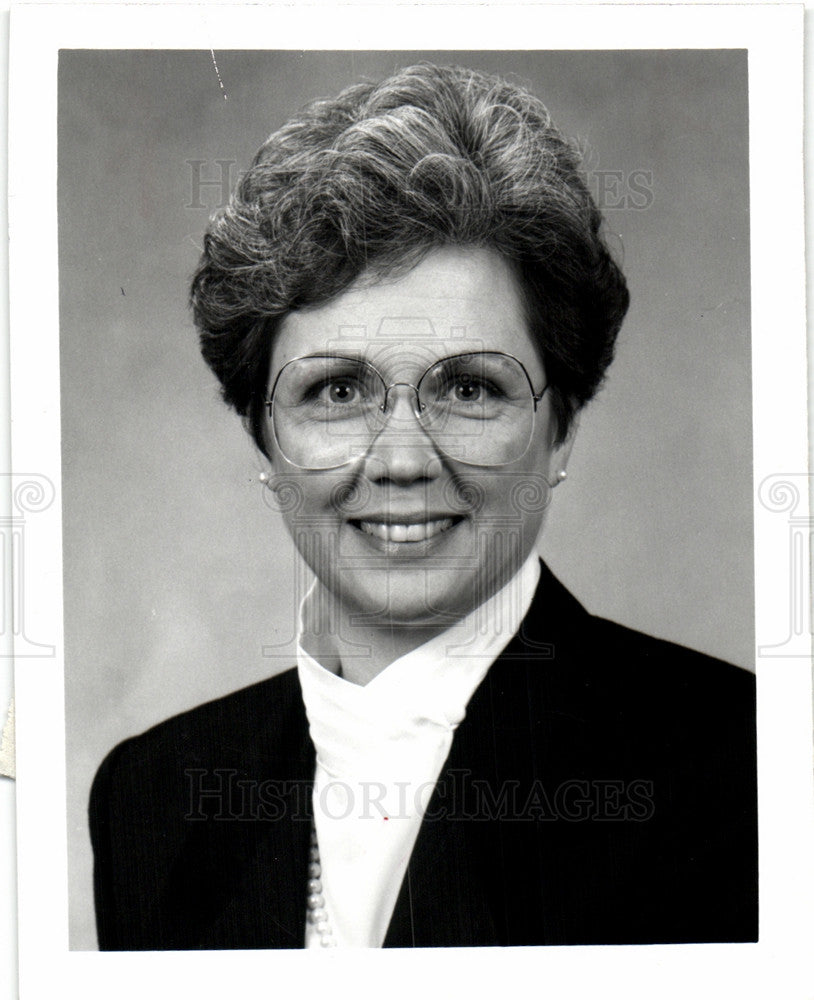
<point>428,597</point>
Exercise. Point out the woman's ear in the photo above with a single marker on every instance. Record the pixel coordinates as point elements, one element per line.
<point>561,453</point>
<point>266,473</point>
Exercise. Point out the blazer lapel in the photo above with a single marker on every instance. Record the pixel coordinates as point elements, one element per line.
<point>479,869</point>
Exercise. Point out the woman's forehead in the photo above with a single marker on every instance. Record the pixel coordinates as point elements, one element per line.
<point>456,300</point>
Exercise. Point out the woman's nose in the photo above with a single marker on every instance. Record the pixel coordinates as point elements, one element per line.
<point>402,451</point>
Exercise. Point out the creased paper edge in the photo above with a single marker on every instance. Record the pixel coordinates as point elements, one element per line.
<point>7,755</point>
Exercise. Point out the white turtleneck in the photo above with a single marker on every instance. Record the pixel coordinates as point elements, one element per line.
<point>380,749</point>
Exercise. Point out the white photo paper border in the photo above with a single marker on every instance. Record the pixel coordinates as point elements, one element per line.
<point>778,964</point>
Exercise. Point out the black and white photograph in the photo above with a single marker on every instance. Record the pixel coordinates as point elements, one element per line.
<point>410,299</point>
<point>412,458</point>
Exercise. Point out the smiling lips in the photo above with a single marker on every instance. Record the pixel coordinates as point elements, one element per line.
<point>418,531</point>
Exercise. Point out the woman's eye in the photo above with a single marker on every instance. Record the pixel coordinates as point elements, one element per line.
<point>466,389</point>
<point>342,392</point>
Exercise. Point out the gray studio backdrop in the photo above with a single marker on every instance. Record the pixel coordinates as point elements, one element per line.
<point>177,574</point>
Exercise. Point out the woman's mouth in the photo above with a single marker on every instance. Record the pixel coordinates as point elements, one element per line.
<point>420,531</point>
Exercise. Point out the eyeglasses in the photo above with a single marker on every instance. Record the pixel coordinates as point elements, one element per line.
<point>477,408</point>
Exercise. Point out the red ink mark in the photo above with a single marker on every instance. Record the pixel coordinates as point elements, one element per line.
<point>386,818</point>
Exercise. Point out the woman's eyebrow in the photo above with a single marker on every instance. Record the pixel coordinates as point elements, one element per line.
<point>335,355</point>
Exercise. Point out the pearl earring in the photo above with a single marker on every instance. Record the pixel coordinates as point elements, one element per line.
<point>562,475</point>
<point>264,478</point>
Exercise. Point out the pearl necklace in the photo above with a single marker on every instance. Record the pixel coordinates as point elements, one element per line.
<point>317,914</point>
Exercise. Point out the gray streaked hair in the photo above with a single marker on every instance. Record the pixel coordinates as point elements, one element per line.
<point>368,182</point>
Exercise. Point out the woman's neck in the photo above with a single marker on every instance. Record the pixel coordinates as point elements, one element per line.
<point>359,650</point>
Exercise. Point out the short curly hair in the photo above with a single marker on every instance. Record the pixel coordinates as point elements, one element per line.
<point>372,180</point>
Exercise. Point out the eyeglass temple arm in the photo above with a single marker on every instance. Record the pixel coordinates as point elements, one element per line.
<point>536,398</point>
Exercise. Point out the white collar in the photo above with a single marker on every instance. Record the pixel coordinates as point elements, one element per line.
<point>428,686</point>
<point>389,740</point>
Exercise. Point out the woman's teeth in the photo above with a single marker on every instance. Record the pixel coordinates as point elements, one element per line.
<point>406,532</point>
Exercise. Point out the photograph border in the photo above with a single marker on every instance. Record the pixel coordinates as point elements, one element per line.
<point>773,36</point>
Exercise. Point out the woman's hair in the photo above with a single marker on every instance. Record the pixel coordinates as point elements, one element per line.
<point>374,179</point>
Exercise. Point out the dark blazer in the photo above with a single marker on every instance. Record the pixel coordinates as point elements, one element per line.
<point>601,790</point>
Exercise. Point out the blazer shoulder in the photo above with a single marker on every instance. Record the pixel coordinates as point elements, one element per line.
<point>644,650</point>
<point>244,725</point>
<point>558,619</point>
<point>670,682</point>
<point>165,805</point>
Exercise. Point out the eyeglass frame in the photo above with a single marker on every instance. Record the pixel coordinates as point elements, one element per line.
<point>268,402</point>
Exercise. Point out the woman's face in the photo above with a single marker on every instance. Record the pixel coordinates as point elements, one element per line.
<point>403,533</point>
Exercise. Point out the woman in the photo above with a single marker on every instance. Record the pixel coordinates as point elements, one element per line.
<point>409,300</point>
